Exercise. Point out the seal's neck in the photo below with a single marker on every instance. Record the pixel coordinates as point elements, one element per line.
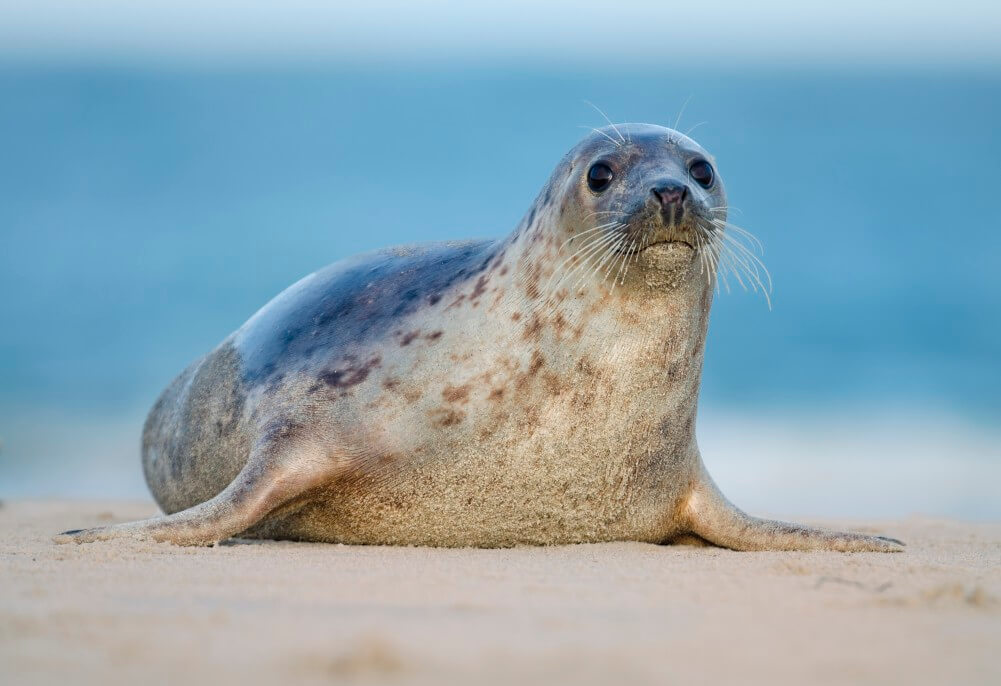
<point>648,311</point>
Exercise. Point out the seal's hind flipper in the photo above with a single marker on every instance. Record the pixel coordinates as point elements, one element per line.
<point>241,505</point>
<point>278,471</point>
<point>714,518</point>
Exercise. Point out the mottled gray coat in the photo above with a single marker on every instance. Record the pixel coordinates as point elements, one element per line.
<point>537,389</point>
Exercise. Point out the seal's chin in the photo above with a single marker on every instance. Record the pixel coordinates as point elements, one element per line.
<point>670,250</point>
<point>666,264</point>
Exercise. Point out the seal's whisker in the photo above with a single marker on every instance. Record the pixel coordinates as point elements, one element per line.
<point>742,231</point>
<point>725,208</point>
<point>692,128</point>
<point>574,260</point>
<point>608,263</point>
<point>700,241</point>
<point>644,243</point>
<point>712,254</point>
<point>609,253</point>
<point>614,127</point>
<point>729,259</point>
<point>631,254</point>
<point>615,254</point>
<point>737,257</point>
<point>735,233</point>
<point>583,255</point>
<point>585,232</point>
<point>750,262</point>
<point>590,242</point>
<point>617,143</point>
<point>721,270</point>
<point>755,279</point>
<point>620,276</point>
<point>599,260</point>
<point>718,269</point>
<point>754,262</point>
<point>594,214</point>
<point>677,119</point>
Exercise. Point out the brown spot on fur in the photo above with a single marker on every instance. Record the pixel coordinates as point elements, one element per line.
<point>536,363</point>
<point>390,384</point>
<point>351,376</point>
<point>498,258</point>
<point>447,417</point>
<point>434,335</point>
<point>434,298</point>
<point>533,330</point>
<point>503,270</point>
<point>497,299</point>
<point>516,316</point>
<point>456,302</point>
<point>409,338</point>
<point>559,322</point>
<point>524,378</point>
<point>554,384</point>
<point>454,394</point>
<point>480,288</point>
<point>496,394</point>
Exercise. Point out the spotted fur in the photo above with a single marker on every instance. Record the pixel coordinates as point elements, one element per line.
<point>483,393</point>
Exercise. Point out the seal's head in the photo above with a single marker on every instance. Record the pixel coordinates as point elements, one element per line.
<point>647,192</point>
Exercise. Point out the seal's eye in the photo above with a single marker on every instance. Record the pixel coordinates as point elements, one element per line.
<point>599,176</point>
<point>702,172</point>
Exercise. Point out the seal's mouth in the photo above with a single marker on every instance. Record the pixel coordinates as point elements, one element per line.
<point>679,242</point>
<point>660,244</point>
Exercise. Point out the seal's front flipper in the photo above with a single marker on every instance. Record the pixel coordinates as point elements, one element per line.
<point>271,478</point>
<point>712,517</point>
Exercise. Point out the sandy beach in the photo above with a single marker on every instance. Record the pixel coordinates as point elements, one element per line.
<point>260,612</point>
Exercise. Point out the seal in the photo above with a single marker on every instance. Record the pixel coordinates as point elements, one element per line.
<point>537,389</point>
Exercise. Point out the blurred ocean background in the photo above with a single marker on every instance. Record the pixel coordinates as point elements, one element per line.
<point>152,199</point>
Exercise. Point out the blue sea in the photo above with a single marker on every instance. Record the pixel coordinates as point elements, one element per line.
<point>147,212</point>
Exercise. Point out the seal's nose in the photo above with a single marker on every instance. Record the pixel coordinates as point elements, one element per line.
<point>670,194</point>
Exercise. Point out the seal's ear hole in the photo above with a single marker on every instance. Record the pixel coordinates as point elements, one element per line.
<point>599,177</point>
<point>702,172</point>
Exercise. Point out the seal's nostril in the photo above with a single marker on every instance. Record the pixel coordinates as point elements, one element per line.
<point>670,194</point>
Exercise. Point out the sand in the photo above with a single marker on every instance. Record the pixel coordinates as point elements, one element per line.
<point>273,612</point>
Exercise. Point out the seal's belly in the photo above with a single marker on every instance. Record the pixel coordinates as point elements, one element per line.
<point>541,490</point>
